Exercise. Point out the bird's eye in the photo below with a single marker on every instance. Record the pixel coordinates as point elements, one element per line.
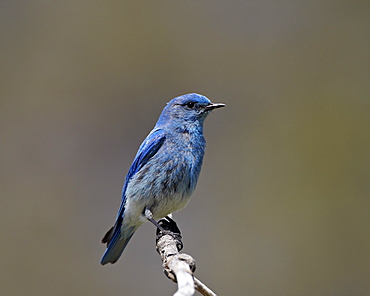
<point>190,105</point>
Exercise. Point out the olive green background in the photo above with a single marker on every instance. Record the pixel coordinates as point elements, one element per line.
<point>282,205</point>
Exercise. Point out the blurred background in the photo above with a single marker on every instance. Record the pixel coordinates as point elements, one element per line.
<point>282,205</point>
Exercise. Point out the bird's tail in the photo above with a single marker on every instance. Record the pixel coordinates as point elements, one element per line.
<point>116,243</point>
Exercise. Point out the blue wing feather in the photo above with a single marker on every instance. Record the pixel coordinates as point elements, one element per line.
<point>115,239</point>
<point>147,150</point>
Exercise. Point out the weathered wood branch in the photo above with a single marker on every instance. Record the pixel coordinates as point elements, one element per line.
<point>178,267</point>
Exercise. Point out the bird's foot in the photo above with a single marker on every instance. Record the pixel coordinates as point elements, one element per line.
<point>165,226</point>
<point>170,227</point>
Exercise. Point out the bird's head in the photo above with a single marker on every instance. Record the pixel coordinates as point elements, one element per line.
<point>187,109</point>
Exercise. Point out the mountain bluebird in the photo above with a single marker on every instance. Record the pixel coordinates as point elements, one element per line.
<point>164,172</point>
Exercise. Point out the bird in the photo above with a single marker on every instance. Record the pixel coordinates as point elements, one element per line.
<point>164,172</point>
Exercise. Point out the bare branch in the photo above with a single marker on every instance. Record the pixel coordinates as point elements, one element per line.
<point>177,266</point>
<point>202,288</point>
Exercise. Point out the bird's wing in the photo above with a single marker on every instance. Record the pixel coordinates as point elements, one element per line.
<point>147,150</point>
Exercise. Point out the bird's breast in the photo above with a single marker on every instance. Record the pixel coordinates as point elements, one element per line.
<point>164,184</point>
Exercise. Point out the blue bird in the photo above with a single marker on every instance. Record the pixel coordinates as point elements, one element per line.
<point>164,172</point>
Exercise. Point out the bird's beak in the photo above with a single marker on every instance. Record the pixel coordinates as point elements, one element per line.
<point>214,106</point>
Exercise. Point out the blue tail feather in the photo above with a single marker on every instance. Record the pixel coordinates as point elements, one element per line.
<point>117,245</point>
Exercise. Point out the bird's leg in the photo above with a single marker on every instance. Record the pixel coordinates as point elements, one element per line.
<point>165,226</point>
<point>149,215</point>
